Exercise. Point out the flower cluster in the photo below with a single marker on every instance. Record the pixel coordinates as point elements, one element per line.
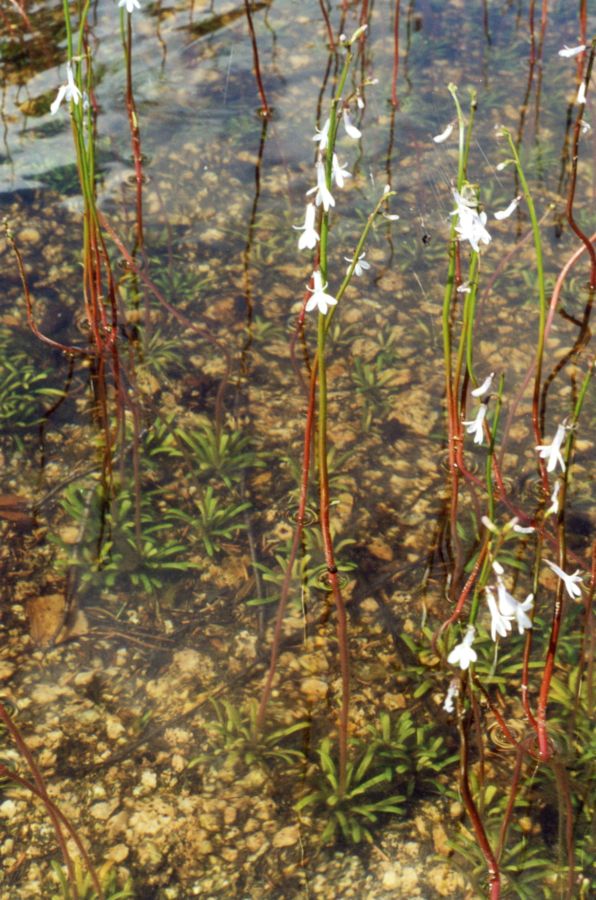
<point>470,223</point>
<point>326,176</point>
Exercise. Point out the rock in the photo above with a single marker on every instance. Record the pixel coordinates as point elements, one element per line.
<point>287,837</point>
<point>314,689</point>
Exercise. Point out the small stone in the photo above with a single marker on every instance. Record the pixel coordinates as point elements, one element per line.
<point>8,809</point>
<point>287,837</point>
<point>103,810</point>
<point>114,728</point>
<point>391,879</point>
<point>118,853</point>
<point>314,688</point>
<point>29,235</point>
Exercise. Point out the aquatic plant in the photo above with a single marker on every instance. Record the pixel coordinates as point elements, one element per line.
<point>83,887</point>
<point>26,392</point>
<point>110,547</point>
<point>349,810</point>
<point>237,736</point>
<point>220,454</point>
<point>211,519</point>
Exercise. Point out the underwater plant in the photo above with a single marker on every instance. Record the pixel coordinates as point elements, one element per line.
<point>349,810</point>
<point>237,736</point>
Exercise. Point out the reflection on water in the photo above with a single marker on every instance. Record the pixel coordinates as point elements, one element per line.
<point>139,605</point>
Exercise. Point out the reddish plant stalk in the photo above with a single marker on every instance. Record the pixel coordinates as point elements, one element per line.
<point>55,814</point>
<point>572,183</point>
<point>394,100</point>
<point>135,135</point>
<point>544,746</point>
<point>462,597</point>
<point>513,789</point>
<point>332,574</point>
<point>494,878</point>
<point>265,108</point>
<point>330,36</point>
<point>285,588</point>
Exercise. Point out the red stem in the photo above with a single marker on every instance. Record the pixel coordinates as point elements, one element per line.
<point>394,100</point>
<point>492,865</point>
<point>285,589</point>
<point>265,108</point>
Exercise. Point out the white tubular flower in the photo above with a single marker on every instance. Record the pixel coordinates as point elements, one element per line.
<point>68,91</point>
<point>464,654</point>
<point>351,129</point>
<point>339,173</point>
<point>568,52</point>
<point>581,94</point>
<point>319,300</point>
<point>552,451</point>
<point>476,426</point>
<point>523,529</point>
<point>309,237</point>
<point>361,264</point>
<point>452,693</point>
<point>499,623</point>
<point>554,500</point>
<point>505,213</point>
<point>571,582</point>
<point>511,609</point>
<point>446,133</point>
<point>470,224</point>
<point>482,389</point>
<point>131,5</point>
<point>323,194</point>
<point>322,136</point>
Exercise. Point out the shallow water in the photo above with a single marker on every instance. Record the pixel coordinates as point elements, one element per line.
<point>135,643</point>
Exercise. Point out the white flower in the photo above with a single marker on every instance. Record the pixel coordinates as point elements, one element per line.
<point>463,654</point>
<point>523,529</point>
<point>309,236</point>
<point>322,136</point>
<point>471,223</point>
<point>511,609</point>
<point>439,138</point>
<point>581,93</point>
<point>68,91</point>
<point>484,387</point>
<point>323,194</point>
<point>451,694</point>
<point>505,213</point>
<point>585,126</point>
<point>554,500</point>
<point>319,300</point>
<point>464,288</point>
<point>131,5</point>
<point>351,129</point>
<point>570,581</point>
<point>339,173</point>
<point>552,451</point>
<point>476,426</point>
<point>499,623</point>
<point>571,51</point>
<point>361,265</point>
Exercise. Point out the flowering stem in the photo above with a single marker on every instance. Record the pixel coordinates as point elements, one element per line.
<point>541,285</point>
<point>544,747</point>
<point>571,194</point>
<point>134,125</point>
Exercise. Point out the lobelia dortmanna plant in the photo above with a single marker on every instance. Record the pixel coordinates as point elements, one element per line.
<point>322,199</point>
<point>487,610</point>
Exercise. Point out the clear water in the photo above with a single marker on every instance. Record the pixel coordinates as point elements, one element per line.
<point>118,703</point>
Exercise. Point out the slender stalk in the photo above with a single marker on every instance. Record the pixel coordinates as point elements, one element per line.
<point>265,108</point>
